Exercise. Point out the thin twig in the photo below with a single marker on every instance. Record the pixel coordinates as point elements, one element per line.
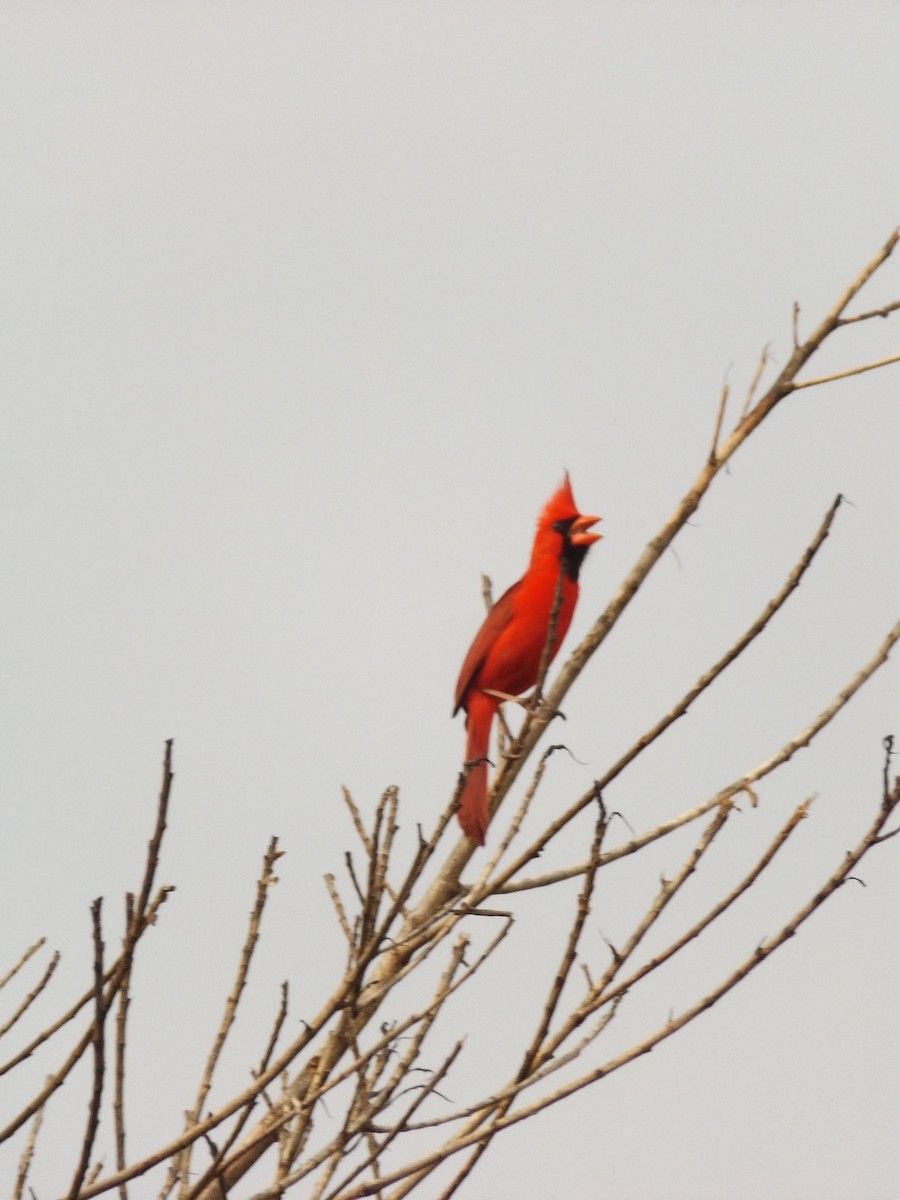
<point>28,1151</point>
<point>267,880</point>
<point>33,994</point>
<point>403,1121</point>
<point>581,915</point>
<point>797,816</point>
<point>100,1009</point>
<point>339,908</point>
<point>744,784</point>
<point>357,820</point>
<point>759,955</point>
<point>113,980</point>
<point>720,417</point>
<point>22,961</point>
<point>754,382</point>
<point>121,1037</point>
<point>874,312</point>
<point>212,1171</point>
<point>503,735</point>
<point>113,973</point>
<point>550,646</point>
<point>872,366</point>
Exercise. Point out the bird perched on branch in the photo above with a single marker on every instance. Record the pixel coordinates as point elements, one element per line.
<point>520,635</point>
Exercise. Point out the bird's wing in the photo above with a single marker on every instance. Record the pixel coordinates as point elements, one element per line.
<point>494,624</point>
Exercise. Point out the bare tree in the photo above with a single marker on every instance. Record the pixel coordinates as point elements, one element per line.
<point>417,919</point>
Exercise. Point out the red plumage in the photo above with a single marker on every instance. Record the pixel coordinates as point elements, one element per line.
<point>506,653</point>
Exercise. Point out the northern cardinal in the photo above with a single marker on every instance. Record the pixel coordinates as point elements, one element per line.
<point>507,651</point>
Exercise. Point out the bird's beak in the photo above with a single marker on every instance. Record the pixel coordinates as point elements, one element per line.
<point>580,535</point>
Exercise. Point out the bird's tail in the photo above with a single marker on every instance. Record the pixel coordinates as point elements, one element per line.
<point>473,804</point>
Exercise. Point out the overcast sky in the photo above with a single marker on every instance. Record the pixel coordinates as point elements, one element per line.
<point>306,308</point>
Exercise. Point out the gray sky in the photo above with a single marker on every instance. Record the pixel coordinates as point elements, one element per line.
<point>306,308</point>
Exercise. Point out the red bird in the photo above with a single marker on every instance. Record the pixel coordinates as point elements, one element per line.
<point>506,654</point>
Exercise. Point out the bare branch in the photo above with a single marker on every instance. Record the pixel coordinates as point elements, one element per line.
<point>799,814</point>
<point>754,383</point>
<point>264,884</point>
<point>874,312</point>
<point>28,1151</point>
<point>872,366</point>
<point>32,995</point>
<point>100,1009</point>
<point>121,1038</point>
<point>403,1121</point>
<point>761,953</point>
<point>22,961</point>
<point>112,977</point>
<point>581,915</point>
<point>339,909</point>
<point>720,417</point>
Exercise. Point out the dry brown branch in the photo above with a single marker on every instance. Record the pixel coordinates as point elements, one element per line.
<point>669,888</point>
<point>212,1174</point>
<point>875,312</point>
<point>112,974</point>
<point>514,1089</point>
<point>28,1152</point>
<point>369,1108</point>
<point>358,825</point>
<point>141,915</point>
<point>424,1014</point>
<point>872,366</point>
<point>121,1039</point>
<point>46,1034</point>
<point>32,995</point>
<point>267,880</point>
<point>584,908</point>
<point>742,784</point>
<point>720,417</point>
<point>799,814</point>
<point>339,909</point>
<point>544,1047</point>
<point>257,1142</point>
<point>754,383</point>
<point>549,646</point>
<point>515,824</point>
<point>530,1060</point>
<point>13,971</point>
<point>113,982</point>
<point>357,820</point>
<point>100,1010</point>
<point>487,592</point>
<point>366,1107</point>
<point>402,1122</point>
<point>759,955</point>
<point>503,734</point>
<point>261,1138</point>
<point>145,914</point>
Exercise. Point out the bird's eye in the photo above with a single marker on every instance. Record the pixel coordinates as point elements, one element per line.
<point>563,525</point>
